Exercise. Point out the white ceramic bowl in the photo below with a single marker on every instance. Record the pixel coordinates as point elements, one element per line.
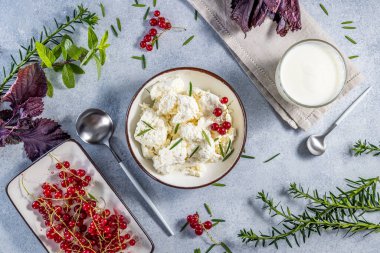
<point>205,80</point>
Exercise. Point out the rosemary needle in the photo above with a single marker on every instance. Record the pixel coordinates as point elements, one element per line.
<point>196,15</point>
<point>208,209</point>
<point>188,40</point>
<point>346,22</point>
<point>176,128</point>
<point>218,184</point>
<point>195,151</point>
<point>324,9</point>
<point>205,136</point>
<point>144,132</point>
<point>146,13</point>
<point>147,124</point>
<point>353,57</point>
<point>190,89</point>
<point>175,144</point>
<point>118,24</point>
<point>349,27</point>
<point>247,156</point>
<point>270,159</point>
<point>184,226</point>
<point>154,3</point>
<point>350,39</point>
<point>138,5</point>
<point>228,155</point>
<point>114,31</point>
<point>102,9</point>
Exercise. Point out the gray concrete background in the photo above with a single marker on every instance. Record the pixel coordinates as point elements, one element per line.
<point>267,135</point>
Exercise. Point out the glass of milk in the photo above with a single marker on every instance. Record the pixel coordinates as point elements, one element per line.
<point>312,73</point>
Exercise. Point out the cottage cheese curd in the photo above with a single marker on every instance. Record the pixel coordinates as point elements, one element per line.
<point>175,130</point>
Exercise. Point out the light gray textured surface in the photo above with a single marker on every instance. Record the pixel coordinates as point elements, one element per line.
<point>267,135</point>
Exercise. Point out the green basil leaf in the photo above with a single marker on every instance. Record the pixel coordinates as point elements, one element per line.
<point>76,69</point>
<point>92,38</point>
<point>50,89</point>
<point>68,76</point>
<point>45,54</point>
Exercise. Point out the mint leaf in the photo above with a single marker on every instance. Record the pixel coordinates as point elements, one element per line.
<point>76,69</point>
<point>68,76</point>
<point>92,38</point>
<point>45,54</point>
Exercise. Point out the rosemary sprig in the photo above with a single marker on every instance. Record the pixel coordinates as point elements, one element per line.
<point>81,15</point>
<point>271,158</point>
<point>175,144</point>
<point>147,124</point>
<point>326,212</point>
<point>228,155</point>
<point>205,136</point>
<point>365,147</point>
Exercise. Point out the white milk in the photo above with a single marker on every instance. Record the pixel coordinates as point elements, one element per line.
<point>312,73</point>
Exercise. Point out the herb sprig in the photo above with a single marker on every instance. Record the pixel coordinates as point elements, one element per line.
<point>364,147</point>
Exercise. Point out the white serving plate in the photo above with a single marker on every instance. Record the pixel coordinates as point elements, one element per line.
<point>42,170</point>
<point>205,80</point>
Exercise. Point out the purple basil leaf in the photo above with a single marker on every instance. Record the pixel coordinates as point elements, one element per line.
<point>32,107</point>
<point>241,13</point>
<point>272,5</point>
<point>41,137</point>
<point>5,115</point>
<point>30,82</point>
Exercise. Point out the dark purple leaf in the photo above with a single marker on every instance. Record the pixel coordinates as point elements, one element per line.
<point>241,13</point>
<point>41,137</point>
<point>32,107</point>
<point>30,82</point>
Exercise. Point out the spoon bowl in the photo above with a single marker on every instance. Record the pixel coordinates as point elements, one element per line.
<point>95,126</point>
<point>316,144</point>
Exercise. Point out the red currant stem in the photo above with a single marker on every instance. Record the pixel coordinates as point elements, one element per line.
<point>157,37</point>
<point>179,28</point>
<point>212,239</point>
<point>63,167</point>
<point>23,186</point>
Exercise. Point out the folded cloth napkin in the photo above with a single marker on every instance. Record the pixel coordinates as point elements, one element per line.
<point>259,51</point>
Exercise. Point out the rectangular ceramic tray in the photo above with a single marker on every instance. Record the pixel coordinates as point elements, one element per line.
<point>42,170</point>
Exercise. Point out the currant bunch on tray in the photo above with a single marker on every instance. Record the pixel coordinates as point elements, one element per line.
<point>156,22</point>
<point>74,219</point>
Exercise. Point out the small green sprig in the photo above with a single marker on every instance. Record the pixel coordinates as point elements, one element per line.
<point>329,211</point>
<point>27,54</point>
<point>365,147</point>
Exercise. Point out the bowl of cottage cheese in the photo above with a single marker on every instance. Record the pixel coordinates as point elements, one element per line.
<point>186,128</point>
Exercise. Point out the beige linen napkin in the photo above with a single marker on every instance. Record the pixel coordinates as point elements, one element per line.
<point>259,53</point>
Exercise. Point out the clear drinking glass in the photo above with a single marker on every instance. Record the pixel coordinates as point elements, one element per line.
<point>283,92</point>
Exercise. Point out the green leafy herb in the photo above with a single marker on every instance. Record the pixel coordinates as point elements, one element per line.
<point>344,210</point>
<point>195,14</point>
<point>118,24</point>
<point>221,149</point>
<point>350,39</point>
<point>228,146</point>
<point>144,132</point>
<point>147,124</point>
<point>273,157</point>
<point>205,136</point>
<point>176,128</point>
<point>156,41</point>
<point>195,151</point>
<point>154,3</point>
<point>210,248</point>
<point>188,40</point>
<point>228,155</point>
<point>365,147</point>
<point>114,31</point>
<point>68,77</point>
<point>92,39</point>
<point>346,22</point>
<point>50,89</point>
<point>218,220</point>
<point>208,209</point>
<point>190,89</point>
<point>91,196</point>
<point>349,27</point>
<point>247,156</point>
<point>139,5</point>
<point>146,13</point>
<point>353,57</point>
<point>324,9</point>
<point>45,54</point>
<point>102,9</point>
<point>218,184</point>
<point>197,251</point>
<point>175,144</point>
<point>142,59</point>
<point>184,226</point>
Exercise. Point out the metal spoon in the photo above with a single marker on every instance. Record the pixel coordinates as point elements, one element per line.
<point>316,143</point>
<point>95,126</point>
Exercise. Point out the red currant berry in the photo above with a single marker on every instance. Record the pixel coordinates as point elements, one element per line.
<point>81,172</point>
<point>214,126</point>
<point>217,112</point>
<point>161,19</point>
<point>156,13</point>
<point>149,47</point>
<point>142,44</point>
<point>207,225</point>
<point>87,179</point>
<point>132,242</point>
<point>189,218</point>
<point>127,236</point>
<point>168,26</point>
<point>199,232</point>
<point>153,22</point>
<point>147,38</point>
<point>152,32</point>
<point>58,166</point>
<point>198,227</point>
<point>66,164</point>
<point>222,131</point>
<point>36,205</point>
<point>193,224</point>
<point>226,125</point>
<point>162,25</point>
<point>224,100</point>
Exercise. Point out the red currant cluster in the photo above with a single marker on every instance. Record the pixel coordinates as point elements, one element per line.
<point>197,225</point>
<point>159,21</point>
<point>74,220</point>
<point>224,126</point>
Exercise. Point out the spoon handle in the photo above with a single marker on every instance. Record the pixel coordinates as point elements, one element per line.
<point>352,106</point>
<point>146,197</point>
